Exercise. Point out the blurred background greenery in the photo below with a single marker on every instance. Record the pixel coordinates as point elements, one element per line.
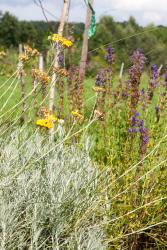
<point>124,36</point>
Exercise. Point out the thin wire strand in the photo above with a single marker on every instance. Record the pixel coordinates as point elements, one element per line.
<point>2,85</point>
<point>11,94</point>
<point>122,39</point>
<point>46,10</point>
<point>8,88</point>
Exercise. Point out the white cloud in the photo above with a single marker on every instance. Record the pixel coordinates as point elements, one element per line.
<point>145,11</point>
<point>15,2</point>
<point>152,16</point>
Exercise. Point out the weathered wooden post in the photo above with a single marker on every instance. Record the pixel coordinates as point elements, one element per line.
<point>121,71</point>
<point>84,54</point>
<point>41,62</point>
<point>21,75</point>
<point>20,49</point>
<point>41,68</point>
<point>63,19</point>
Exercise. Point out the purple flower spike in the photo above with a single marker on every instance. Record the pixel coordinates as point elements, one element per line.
<point>132,130</point>
<point>138,60</point>
<point>144,139</point>
<point>100,81</point>
<point>137,125</point>
<point>110,55</point>
<point>155,75</point>
<point>153,82</point>
<point>142,92</point>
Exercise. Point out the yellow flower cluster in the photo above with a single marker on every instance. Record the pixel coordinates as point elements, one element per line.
<point>48,121</point>
<point>2,54</point>
<point>58,38</point>
<point>61,72</point>
<point>76,114</point>
<point>99,89</point>
<point>41,76</point>
<point>44,123</point>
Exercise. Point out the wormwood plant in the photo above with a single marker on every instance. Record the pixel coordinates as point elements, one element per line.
<point>53,197</point>
<point>43,195</point>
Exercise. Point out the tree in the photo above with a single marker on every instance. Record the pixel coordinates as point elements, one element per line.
<point>27,33</point>
<point>9,30</point>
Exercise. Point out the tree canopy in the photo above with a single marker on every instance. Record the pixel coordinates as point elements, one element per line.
<point>124,36</point>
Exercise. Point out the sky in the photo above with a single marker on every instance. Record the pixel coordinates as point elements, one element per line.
<point>145,11</point>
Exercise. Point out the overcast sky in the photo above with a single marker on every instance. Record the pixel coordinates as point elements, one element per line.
<point>145,11</point>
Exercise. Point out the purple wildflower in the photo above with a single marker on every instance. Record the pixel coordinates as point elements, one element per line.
<point>143,99</point>
<point>134,119</point>
<point>126,90</point>
<point>124,94</point>
<point>138,61</point>
<point>110,55</point>
<point>61,59</point>
<point>132,130</point>
<point>100,81</point>
<point>137,126</point>
<point>144,135</point>
<point>59,53</point>
<point>140,123</point>
<point>142,92</point>
<point>155,73</point>
<point>153,81</point>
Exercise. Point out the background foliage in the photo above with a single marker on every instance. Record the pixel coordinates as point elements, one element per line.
<point>125,36</point>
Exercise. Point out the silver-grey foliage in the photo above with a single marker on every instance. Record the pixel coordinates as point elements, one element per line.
<point>45,191</point>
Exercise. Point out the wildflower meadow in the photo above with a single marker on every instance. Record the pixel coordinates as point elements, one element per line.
<point>82,159</point>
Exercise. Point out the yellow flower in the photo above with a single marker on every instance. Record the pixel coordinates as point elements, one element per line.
<point>44,123</point>
<point>48,119</point>
<point>58,38</point>
<point>67,43</point>
<point>77,115</point>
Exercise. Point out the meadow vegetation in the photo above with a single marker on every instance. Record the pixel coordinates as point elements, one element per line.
<point>101,182</point>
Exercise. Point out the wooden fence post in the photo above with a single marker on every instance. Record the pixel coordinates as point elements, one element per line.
<point>63,19</point>
<point>21,74</point>
<point>84,54</point>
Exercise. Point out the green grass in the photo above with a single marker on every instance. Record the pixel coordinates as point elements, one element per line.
<point>89,188</point>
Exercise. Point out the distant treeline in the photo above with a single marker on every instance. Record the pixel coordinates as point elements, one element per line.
<point>125,37</point>
<point>34,33</point>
